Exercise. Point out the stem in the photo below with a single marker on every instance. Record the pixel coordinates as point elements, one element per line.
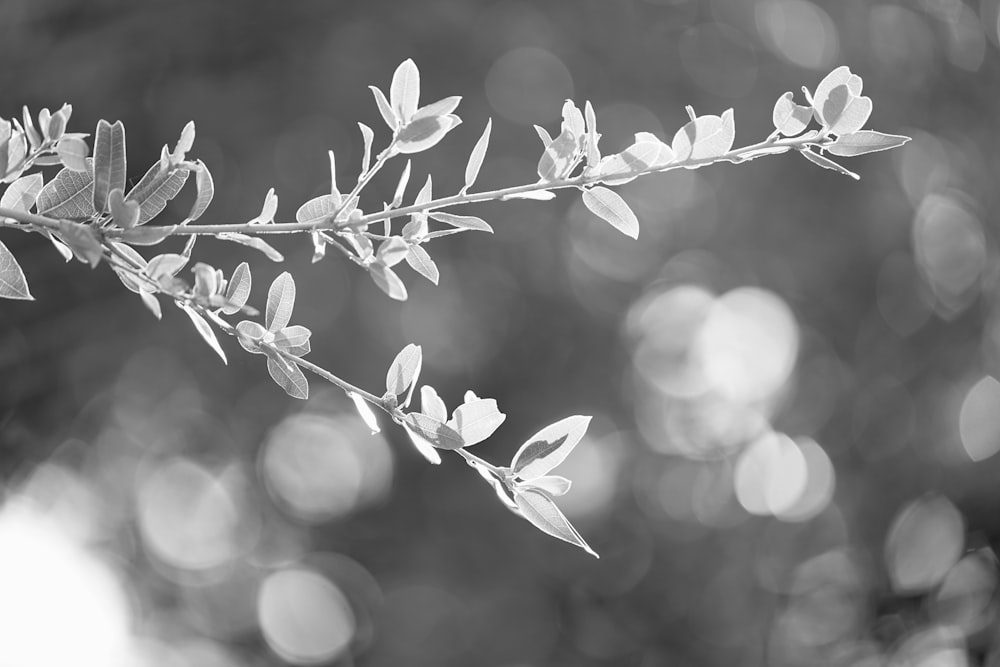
<point>331,378</point>
<point>472,458</point>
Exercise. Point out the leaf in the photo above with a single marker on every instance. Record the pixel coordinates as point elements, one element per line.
<point>294,340</point>
<point>146,235</point>
<point>318,208</point>
<point>152,303</point>
<point>435,432</point>
<point>367,136</point>
<point>462,221</point>
<point>280,301</point>
<point>705,137</point>
<point>593,152</point>
<point>384,108</point>
<point>69,195</point>
<point>206,191</point>
<point>421,262</point>
<point>841,76</point>
<point>553,485</point>
<point>404,178</point>
<point>22,193</point>
<point>130,281</point>
<point>249,334</point>
<point>82,240</point>
<point>289,377</point>
<point>60,247</point>
<point>12,282</point>
<point>333,175</point>
<point>476,157</point>
<point>853,117</point>
<point>254,242</point>
<point>185,141</point>
<point>646,152</point>
<point>544,135</point>
<point>864,141</point>
<point>404,369</point>
<point>426,192</point>
<point>165,265</point>
<point>549,447</point>
<point>125,214</point>
<point>558,157</point>
<point>365,411</point>
<point>424,133</point>
<point>789,118</point>
<point>393,251</point>
<point>13,150</point>
<point>432,405</point>
<point>404,93</point>
<point>388,281</point>
<point>537,195</point>
<point>442,107</point>
<point>109,162</point>
<point>477,420</point>
<point>205,330</point>
<point>541,511</point>
<point>609,206</point>
<point>267,212</point>
<point>156,188</point>
<point>238,290</point>
<point>425,448</point>
<point>827,163</point>
<point>73,153</point>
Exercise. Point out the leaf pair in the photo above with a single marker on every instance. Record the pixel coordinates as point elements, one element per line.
<point>471,423</point>
<point>414,129</point>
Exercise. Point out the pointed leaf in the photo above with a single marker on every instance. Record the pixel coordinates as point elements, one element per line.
<point>157,187</point>
<point>22,193</point>
<point>477,156</point>
<point>558,157</point>
<point>318,207</point>
<point>404,369</point>
<point>267,212</point>
<point>608,205</point>
<point>82,240</point>
<point>365,411</point>
<point>152,303</point>
<point>705,137</point>
<point>109,162</point>
<point>421,262</point>
<point>144,235</point>
<point>549,447</point>
<point>404,93</point>
<point>289,377</point>
<point>393,251</point>
<point>442,107</point>
<point>280,302</point>
<point>432,405</point>
<point>205,330</point>
<point>865,141</point>
<point>368,136</point>
<point>206,191</point>
<point>827,163</point>
<point>425,448</point>
<point>69,195</point>
<point>853,117</point>
<point>541,511</point>
<point>477,420</point>
<point>404,178</point>
<point>60,247</point>
<point>333,174</point>
<point>536,195</point>
<point>593,138</point>
<point>12,282</point>
<point>544,135</point>
<point>553,485</point>
<point>426,192</point>
<point>238,290</point>
<point>384,108</point>
<point>254,242</point>
<point>388,281</point>
<point>462,221</point>
<point>790,119</point>
<point>424,133</point>
<point>435,432</point>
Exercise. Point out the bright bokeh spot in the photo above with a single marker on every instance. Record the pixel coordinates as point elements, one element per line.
<point>771,475</point>
<point>593,469</point>
<point>979,419</point>
<point>924,542</point>
<point>188,517</point>
<point>820,483</point>
<point>950,247</point>
<point>748,344</point>
<point>321,466</point>
<point>59,605</point>
<point>304,617</point>
<point>528,85</point>
<point>799,32</point>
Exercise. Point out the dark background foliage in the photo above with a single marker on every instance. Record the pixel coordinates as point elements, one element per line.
<point>230,525</point>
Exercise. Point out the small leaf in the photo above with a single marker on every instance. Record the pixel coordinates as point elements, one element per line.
<point>558,157</point>
<point>593,152</point>
<point>841,76</point>
<point>789,118</point>
<point>12,282</point>
<point>145,236</point>
<point>125,214</point>
<point>404,93</point>
<point>437,433</point>
<point>426,192</point>
<point>554,485</point>
<point>249,334</point>
<point>416,229</point>
<point>384,108</point>
<point>280,302</point>
<point>432,405</point>
<point>238,290</point>
<point>205,330</point>
<point>865,141</point>
<point>69,195</point>
<point>333,175</point>
<point>476,157</point>
<point>544,135</point>
<point>82,240</point>
<point>206,191</point>
<point>541,511</point>
<point>157,187</point>
<point>294,340</point>
<point>152,303</point>
<point>22,193</point>
<point>60,247</point>
<point>254,242</point>
<point>393,251</point>
<point>165,265</point>
<point>462,221</point>
<point>367,136</point>
<point>853,117</point>
<point>705,137</point>
<point>609,206</point>
<point>317,208</point>
<point>267,212</point>
<point>185,142</point>
<point>404,369</point>
<point>536,195</point>
<point>319,246</point>
<point>827,163</point>
<point>425,448</point>
<point>421,262</point>
<point>404,178</point>
<point>477,420</point>
<point>442,107</point>
<point>424,133</point>
<point>109,162</point>
<point>623,167</point>
<point>549,447</point>
<point>365,411</point>
<point>73,153</point>
<point>388,281</point>
<point>289,377</point>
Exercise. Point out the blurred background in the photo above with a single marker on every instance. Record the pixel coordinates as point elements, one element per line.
<point>792,374</point>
